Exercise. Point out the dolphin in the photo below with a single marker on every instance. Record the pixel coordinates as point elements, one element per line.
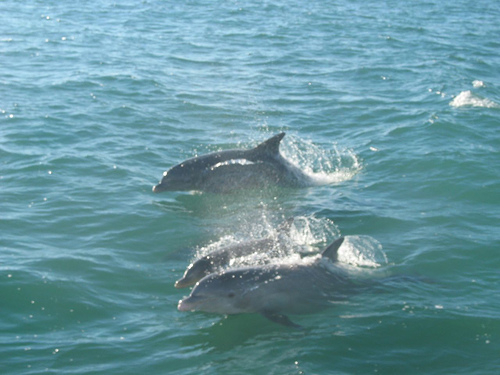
<point>273,290</point>
<point>231,170</point>
<point>218,259</point>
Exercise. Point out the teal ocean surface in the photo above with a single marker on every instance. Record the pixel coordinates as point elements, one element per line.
<point>394,106</point>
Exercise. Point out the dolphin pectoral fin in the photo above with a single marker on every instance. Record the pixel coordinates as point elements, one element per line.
<point>280,319</point>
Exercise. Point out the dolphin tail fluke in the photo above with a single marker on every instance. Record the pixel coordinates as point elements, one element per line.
<point>331,252</point>
<point>269,148</point>
<point>280,319</point>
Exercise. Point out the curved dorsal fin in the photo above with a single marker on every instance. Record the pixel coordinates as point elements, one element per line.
<point>269,148</point>
<point>331,252</point>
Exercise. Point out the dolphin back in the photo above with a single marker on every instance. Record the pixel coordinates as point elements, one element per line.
<point>331,252</point>
<point>266,150</point>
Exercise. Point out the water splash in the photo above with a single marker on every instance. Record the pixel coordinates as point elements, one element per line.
<point>307,234</point>
<point>325,167</point>
<point>362,251</point>
<point>477,84</point>
<point>469,99</point>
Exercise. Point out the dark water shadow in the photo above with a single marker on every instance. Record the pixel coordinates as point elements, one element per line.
<point>233,331</point>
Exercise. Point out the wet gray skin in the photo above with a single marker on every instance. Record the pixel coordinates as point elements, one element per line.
<point>232,170</point>
<point>273,290</point>
<point>218,259</point>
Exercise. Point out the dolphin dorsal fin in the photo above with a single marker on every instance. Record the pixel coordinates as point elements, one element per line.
<point>331,252</point>
<point>268,148</point>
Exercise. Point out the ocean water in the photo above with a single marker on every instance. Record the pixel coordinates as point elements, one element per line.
<point>395,105</point>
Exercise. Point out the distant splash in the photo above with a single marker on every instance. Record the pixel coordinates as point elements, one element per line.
<point>469,99</point>
<point>477,84</point>
<point>324,167</point>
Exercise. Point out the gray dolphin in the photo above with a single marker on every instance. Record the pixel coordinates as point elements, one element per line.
<point>272,290</point>
<point>218,259</point>
<point>230,170</point>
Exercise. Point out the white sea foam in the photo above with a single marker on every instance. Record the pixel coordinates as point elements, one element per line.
<point>469,99</point>
<point>477,83</point>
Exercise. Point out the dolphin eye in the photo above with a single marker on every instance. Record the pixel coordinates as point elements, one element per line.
<point>231,295</point>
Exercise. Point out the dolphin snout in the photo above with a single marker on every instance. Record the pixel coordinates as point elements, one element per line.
<point>190,303</point>
<point>184,305</point>
<point>158,188</point>
<point>190,278</point>
<point>182,283</point>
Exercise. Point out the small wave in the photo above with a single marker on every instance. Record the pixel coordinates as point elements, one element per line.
<point>469,99</point>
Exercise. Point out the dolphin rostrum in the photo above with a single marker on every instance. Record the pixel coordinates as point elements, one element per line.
<point>218,259</point>
<point>272,290</point>
<point>230,170</point>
